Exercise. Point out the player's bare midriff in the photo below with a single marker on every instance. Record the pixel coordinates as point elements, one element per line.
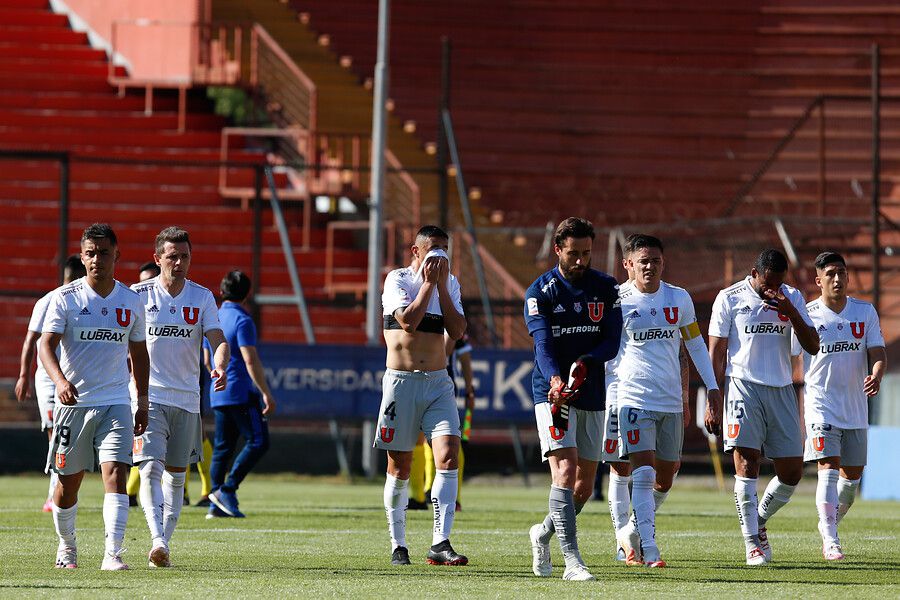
<point>418,351</point>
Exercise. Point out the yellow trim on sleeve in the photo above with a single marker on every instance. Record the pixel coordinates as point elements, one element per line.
<point>689,332</point>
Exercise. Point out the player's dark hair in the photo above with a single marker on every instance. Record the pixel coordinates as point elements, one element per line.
<point>175,235</point>
<point>74,267</point>
<point>829,257</point>
<point>432,231</point>
<point>235,286</point>
<point>639,240</point>
<point>573,227</point>
<point>100,231</point>
<point>771,260</point>
<point>150,266</point>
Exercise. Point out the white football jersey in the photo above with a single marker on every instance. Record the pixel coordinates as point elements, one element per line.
<point>42,382</point>
<point>175,330</point>
<point>401,286</point>
<point>612,380</point>
<point>96,332</point>
<point>649,370</point>
<point>834,377</point>
<point>759,339</point>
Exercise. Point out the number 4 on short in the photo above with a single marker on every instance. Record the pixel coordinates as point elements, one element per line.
<point>391,410</point>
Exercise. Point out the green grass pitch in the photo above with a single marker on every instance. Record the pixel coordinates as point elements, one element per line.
<point>316,538</point>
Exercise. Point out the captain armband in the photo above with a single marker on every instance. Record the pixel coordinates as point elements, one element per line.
<point>689,332</point>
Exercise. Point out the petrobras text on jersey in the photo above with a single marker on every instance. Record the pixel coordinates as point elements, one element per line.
<point>765,329</point>
<point>100,334</point>
<point>653,334</point>
<point>172,331</point>
<point>558,330</point>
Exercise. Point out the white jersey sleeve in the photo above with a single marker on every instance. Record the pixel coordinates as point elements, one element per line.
<point>397,292</point>
<point>210,314</point>
<point>720,320</point>
<point>42,382</point>
<point>874,337</point>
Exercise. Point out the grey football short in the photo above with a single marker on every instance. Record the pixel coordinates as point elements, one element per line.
<point>762,417</point>
<point>174,436</point>
<point>584,432</point>
<point>46,402</point>
<point>84,438</point>
<point>641,430</point>
<point>825,441</point>
<point>611,431</point>
<point>414,401</point>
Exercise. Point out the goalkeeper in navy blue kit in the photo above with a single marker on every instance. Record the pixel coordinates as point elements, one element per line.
<point>573,314</point>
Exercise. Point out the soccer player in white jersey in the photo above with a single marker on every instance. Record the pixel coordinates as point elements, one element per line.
<point>43,385</point>
<point>650,403</point>
<point>420,303</point>
<point>750,343</point>
<point>839,379</point>
<point>179,314</point>
<point>97,322</point>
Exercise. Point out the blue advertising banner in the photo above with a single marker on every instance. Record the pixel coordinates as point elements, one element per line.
<point>344,382</point>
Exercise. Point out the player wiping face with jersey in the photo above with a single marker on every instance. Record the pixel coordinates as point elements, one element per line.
<point>573,314</point>
<point>421,303</point>
<point>750,343</point>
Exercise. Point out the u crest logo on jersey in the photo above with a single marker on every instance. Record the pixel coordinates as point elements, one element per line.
<point>858,329</point>
<point>818,444</point>
<point>734,430</point>
<point>191,314</point>
<point>60,460</point>
<point>611,446</point>
<point>634,436</point>
<point>556,433</point>
<point>595,311</point>
<point>123,316</point>
<point>671,313</point>
<point>387,434</point>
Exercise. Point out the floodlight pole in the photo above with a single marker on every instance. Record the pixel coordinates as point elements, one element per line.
<point>376,235</point>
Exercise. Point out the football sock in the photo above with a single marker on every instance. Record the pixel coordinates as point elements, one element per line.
<point>443,499</point>
<point>152,500</point>
<point>396,497</point>
<point>547,527</point>
<point>417,474</point>
<point>659,498</point>
<point>115,517</point>
<point>133,487</point>
<point>745,501</point>
<point>203,468</point>
<point>53,479</point>
<point>64,521</point>
<point>619,499</point>
<point>642,480</point>
<point>827,503</point>
<point>562,511</point>
<point>777,495</point>
<point>173,494</point>
<point>846,489</point>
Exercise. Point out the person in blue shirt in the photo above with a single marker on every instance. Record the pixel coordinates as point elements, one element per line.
<point>573,314</point>
<point>242,407</point>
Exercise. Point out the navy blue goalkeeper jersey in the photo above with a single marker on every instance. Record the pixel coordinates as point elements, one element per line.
<point>568,320</point>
